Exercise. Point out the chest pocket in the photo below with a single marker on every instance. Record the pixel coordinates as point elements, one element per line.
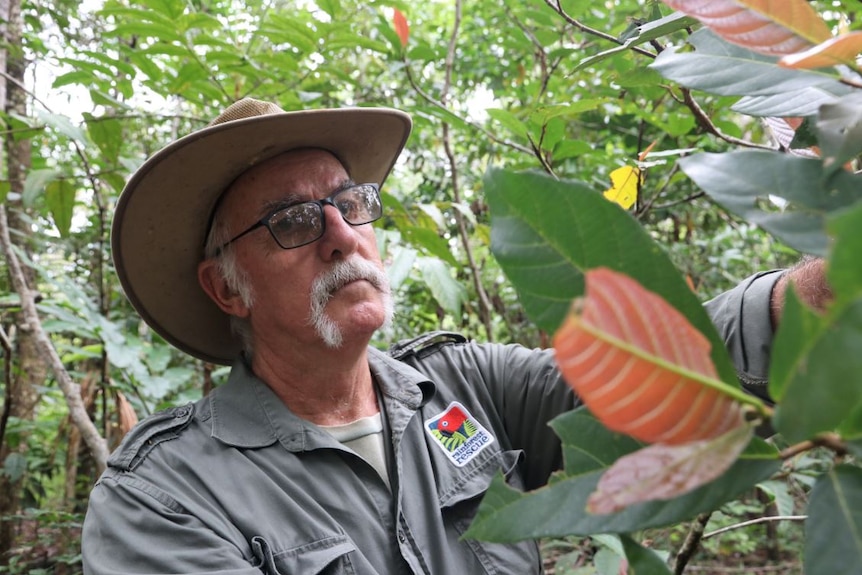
<point>330,556</point>
<point>460,503</point>
<point>461,493</point>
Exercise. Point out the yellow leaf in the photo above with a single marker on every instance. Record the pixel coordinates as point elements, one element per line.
<point>624,189</point>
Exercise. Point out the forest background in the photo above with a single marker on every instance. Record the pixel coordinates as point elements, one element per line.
<point>91,90</point>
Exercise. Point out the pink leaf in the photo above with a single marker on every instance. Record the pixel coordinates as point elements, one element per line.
<point>766,26</point>
<point>666,471</point>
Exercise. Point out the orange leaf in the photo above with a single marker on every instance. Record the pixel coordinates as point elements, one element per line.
<point>766,26</point>
<point>640,366</point>
<point>842,49</point>
<point>401,27</point>
<point>128,417</point>
<point>666,471</point>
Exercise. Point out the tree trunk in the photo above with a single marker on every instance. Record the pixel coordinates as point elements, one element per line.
<point>29,370</point>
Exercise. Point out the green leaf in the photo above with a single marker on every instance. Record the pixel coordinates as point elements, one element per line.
<point>644,33</point>
<point>449,293</point>
<point>60,199</point>
<point>14,466</point>
<point>721,68</point>
<point>839,130</point>
<point>643,561</point>
<point>429,241</point>
<point>63,125</point>
<point>824,386</point>
<point>545,233</point>
<point>833,530</point>
<point>35,184</point>
<point>509,121</point>
<point>5,188</point>
<point>744,181</point>
<point>802,102</point>
<point>587,444</point>
<point>107,133</point>
<point>792,340</point>
<point>844,272</point>
<point>558,509</point>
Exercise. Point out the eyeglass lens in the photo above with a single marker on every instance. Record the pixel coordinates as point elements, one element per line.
<point>303,223</point>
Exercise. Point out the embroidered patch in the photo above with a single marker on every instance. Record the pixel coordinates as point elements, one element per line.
<point>458,434</point>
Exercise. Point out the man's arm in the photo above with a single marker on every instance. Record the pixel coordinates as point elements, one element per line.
<point>746,315</point>
<point>808,277</point>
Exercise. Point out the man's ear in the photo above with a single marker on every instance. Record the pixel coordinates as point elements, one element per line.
<point>214,285</point>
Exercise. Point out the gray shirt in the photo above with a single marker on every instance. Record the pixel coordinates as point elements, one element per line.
<point>237,484</point>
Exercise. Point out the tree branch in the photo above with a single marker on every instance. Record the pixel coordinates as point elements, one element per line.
<point>557,7</point>
<point>78,413</point>
<point>485,306</point>
<point>691,543</point>
<point>705,122</point>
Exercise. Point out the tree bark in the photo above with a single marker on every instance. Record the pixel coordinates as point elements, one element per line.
<point>29,370</point>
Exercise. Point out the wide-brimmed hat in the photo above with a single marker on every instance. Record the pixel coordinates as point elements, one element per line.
<point>162,216</point>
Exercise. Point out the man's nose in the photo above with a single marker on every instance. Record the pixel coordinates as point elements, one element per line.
<point>339,238</point>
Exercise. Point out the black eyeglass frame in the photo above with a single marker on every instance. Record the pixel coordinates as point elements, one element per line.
<point>266,221</point>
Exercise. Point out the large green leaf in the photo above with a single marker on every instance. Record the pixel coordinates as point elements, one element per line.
<point>546,232</point>
<point>60,199</point>
<point>833,530</point>
<point>839,131</point>
<point>816,365</point>
<point>825,385</point>
<point>744,181</point>
<point>802,102</point>
<point>722,68</point>
<point>448,292</point>
<point>643,561</point>
<point>560,508</point>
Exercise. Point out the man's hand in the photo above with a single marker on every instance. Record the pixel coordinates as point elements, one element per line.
<point>809,280</point>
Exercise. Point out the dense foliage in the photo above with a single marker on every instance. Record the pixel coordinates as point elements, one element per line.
<point>553,88</point>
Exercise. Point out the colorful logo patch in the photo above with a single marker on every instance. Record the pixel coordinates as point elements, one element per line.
<point>458,434</point>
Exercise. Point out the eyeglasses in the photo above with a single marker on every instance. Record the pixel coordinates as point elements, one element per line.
<point>303,223</point>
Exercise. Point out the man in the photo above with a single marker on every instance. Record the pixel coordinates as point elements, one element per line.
<point>249,243</point>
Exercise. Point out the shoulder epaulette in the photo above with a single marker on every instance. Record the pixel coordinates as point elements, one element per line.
<point>157,428</point>
<point>424,344</point>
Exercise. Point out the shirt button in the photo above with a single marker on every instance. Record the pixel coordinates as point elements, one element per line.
<point>401,536</point>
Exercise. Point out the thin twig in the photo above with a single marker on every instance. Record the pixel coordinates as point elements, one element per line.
<point>706,123</point>
<point>691,543</point>
<point>684,200</point>
<point>485,306</point>
<point>829,440</point>
<point>766,519</point>
<point>558,8</point>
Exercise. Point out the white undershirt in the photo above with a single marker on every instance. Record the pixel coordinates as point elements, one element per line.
<point>365,437</point>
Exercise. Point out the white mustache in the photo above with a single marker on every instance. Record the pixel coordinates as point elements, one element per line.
<point>342,273</point>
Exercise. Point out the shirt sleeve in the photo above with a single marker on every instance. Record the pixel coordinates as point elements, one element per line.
<point>742,317</point>
<point>133,527</point>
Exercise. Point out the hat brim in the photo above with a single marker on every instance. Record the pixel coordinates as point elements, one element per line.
<point>161,218</point>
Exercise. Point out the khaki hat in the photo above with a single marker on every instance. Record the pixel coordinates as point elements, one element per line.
<point>161,219</point>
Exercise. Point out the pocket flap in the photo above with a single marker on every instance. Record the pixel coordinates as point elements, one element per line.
<point>311,558</point>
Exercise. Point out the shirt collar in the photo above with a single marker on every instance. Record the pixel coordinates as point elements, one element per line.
<point>246,413</point>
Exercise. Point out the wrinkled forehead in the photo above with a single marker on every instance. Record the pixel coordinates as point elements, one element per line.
<point>298,174</point>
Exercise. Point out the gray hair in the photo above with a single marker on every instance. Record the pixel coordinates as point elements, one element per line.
<point>234,277</point>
